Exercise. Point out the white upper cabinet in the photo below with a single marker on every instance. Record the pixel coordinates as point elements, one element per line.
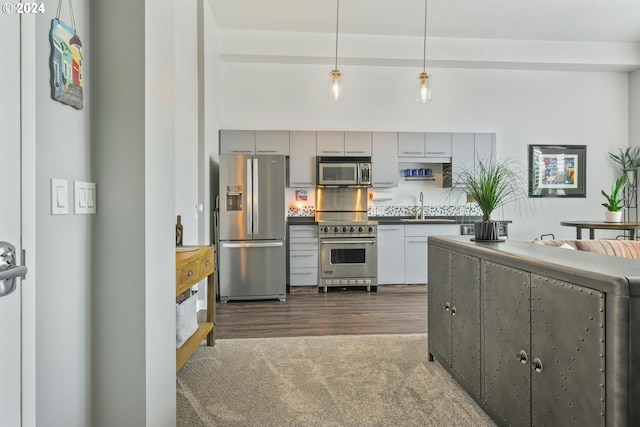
<point>462,154</point>
<point>330,143</point>
<point>357,144</point>
<point>467,149</point>
<point>237,141</point>
<point>384,159</point>
<point>302,159</point>
<point>411,144</point>
<point>437,144</point>
<point>485,147</point>
<point>272,142</point>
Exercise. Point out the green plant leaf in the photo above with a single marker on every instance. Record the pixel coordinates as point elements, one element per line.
<point>492,185</point>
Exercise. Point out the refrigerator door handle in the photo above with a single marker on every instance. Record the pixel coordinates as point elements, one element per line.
<point>253,244</point>
<point>248,195</point>
<point>256,201</point>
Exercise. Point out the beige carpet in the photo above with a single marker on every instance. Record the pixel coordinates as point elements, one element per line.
<point>347,380</point>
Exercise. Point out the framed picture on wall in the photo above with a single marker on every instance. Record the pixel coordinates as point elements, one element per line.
<point>557,170</point>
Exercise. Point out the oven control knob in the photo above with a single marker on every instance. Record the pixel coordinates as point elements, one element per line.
<point>326,229</point>
<point>344,229</point>
<point>370,229</point>
<point>336,229</point>
<point>352,229</point>
<point>361,229</point>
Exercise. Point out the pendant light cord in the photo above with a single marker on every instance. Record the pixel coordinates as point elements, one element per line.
<point>337,20</point>
<point>424,57</point>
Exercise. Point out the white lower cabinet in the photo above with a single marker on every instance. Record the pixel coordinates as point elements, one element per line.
<point>303,255</point>
<point>390,254</point>
<point>415,248</point>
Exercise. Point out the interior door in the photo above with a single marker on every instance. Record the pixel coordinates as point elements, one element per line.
<point>10,304</point>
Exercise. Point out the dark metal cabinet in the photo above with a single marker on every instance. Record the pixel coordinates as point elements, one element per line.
<point>454,314</point>
<point>536,372</point>
<point>568,363</point>
<point>506,379</point>
<point>439,305</point>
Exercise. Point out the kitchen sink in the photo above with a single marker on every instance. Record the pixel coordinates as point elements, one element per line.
<point>441,220</point>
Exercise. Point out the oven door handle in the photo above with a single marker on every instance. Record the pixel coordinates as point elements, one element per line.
<point>338,241</point>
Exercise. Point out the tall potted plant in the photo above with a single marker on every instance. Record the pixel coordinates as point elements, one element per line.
<point>615,200</point>
<point>629,159</point>
<point>491,185</point>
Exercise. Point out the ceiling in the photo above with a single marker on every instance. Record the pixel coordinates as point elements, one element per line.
<point>551,20</point>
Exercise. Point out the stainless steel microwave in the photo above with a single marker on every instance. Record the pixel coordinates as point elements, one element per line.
<point>343,171</point>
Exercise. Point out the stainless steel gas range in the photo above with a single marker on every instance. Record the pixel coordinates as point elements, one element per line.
<point>347,238</point>
<point>348,253</point>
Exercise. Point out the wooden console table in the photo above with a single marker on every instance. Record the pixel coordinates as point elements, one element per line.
<point>631,227</point>
<point>194,264</point>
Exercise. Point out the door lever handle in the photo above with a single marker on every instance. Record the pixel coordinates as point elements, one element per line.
<point>8,279</point>
<point>14,272</point>
<point>9,271</point>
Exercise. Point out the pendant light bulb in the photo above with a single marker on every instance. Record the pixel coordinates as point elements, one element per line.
<point>424,92</point>
<point>336,93</point>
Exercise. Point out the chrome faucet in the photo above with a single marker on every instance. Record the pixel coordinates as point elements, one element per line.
<point>421,207</point>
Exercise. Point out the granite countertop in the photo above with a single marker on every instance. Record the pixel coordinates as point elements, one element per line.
<point>428,220</point>
<point>401,220</point>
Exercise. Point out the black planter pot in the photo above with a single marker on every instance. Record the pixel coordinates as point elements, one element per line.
<point>487,230</point>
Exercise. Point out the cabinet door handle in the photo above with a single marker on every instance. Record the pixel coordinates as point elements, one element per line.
<point>447,307</point>
<point>332,151</point>
<point>383,182</point>
<point>537,365</point>
<point>523,357</point>
<point>190,273</point>
<point>306,184</point>
<point>453,310</point>
<point>356,152</point>
<point>411,152</point>
<point>267,151</point>
<point>207,263</point>
<point>436,152</point>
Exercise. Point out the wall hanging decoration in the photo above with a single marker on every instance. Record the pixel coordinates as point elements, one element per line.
<point>66,61</point>
<point>557,170</point>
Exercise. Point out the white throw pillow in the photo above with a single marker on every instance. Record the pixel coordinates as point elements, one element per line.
<point>567,246</point>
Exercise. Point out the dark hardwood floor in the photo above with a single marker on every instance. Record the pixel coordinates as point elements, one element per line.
<point>391,310</point>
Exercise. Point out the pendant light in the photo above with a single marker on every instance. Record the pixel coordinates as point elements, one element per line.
<point>424,92</point>
<point>336,92</point>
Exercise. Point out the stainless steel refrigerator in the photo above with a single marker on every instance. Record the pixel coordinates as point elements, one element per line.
<point>252,227</point>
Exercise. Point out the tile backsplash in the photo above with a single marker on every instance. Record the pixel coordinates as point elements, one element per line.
<point>451,210</point>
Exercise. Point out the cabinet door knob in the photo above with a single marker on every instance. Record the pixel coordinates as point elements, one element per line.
<point>207,263</point>
<point>523,357</point>
<point>453,310</point>
<point>447,307</point>
<point>190,273</point>
<point>537,365</point>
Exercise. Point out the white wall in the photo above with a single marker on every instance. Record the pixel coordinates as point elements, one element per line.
<point>133,133</point>
<point>634,107</point>
<point>522,107</point>
<point>186,149</point>
<point>63,242</point>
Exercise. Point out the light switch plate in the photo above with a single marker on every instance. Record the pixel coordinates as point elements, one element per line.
<point>84,197</point>
<point>59,196</point>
